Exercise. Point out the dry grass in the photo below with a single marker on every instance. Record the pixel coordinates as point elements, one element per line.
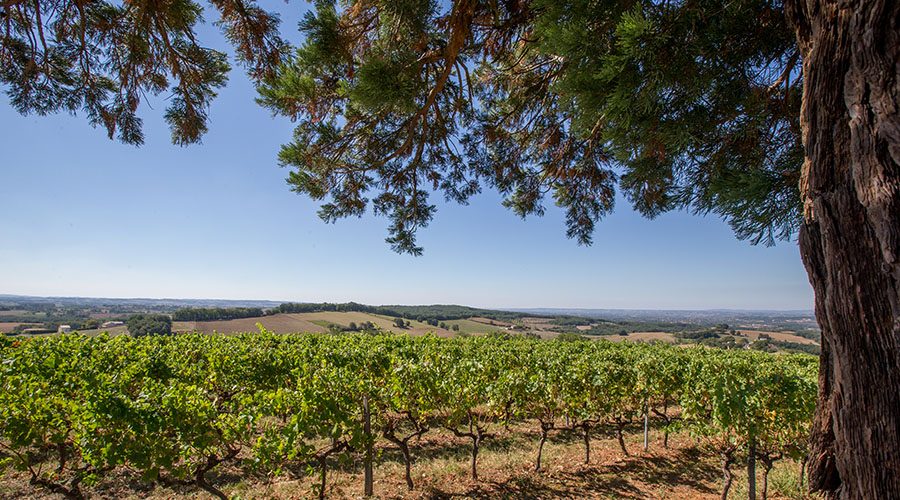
<point>279,323</point>
<point>642,337</point>
<point>780,336</point>
<point>505,465</point>
<point>490,322</point>
<point>7,326</point>
<point>116,330</point>
<point>15,312</point>
<point>318,321</point>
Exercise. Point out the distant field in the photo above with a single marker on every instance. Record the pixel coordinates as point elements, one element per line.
<point>670,338</point>
<point>780,336</point>
<point>7,326</point>
<point>306,322</point>
<point>116,330</point>
<point>319,321</point>
<point>642,337</point>
<point>279,323</point>
<point>384,322</point>
<point>473,327</point>
<point>14,312</point>
<point>489,322</point>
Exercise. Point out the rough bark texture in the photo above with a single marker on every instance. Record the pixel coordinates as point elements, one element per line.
<point>726,473</point>
<point>586,434</point>
<point>540,451</point>
<point>850,238</point>
<point>620,426</point>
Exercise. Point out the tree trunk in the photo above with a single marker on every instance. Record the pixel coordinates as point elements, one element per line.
<point>802,472</point>
<point>646,428</point>
<point>751,471</point>
<point>850,238</point>
<point>475,458</point>
<point>407,462</point>
<point>368,480</point>
<point>764,494</point>
<point>540,451</point>
<point>726,472</point>
<point>586,431</point>
<point>621,438</point>
<point>323,466</point>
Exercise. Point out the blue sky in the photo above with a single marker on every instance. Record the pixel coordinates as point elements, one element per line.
<point>86,216</point>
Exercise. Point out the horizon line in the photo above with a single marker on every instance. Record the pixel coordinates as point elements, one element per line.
<point>497,308</point>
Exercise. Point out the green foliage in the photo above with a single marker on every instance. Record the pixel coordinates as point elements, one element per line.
<point>424,314</point>
<point>770,345</point>
<point>572,321</point>
<point>680,105</point>
<point>103,58</point>
<point>140,325</point>
<point>179,407</point>
<point>215,313</point>
<point>570,337</point>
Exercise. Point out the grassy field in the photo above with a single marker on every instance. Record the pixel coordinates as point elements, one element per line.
<point>780,336</point>
<point>19,312</point>
<point>7,326</point>
<point>319,322</point>
<point>116,330</point>
<point>642,337</point>
<point>279,323</point>
<point>506,468</point>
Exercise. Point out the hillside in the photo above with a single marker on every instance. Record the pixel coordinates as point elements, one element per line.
<point>764,330</point>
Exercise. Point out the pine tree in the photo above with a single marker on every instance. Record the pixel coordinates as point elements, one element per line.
<point>780,117</point>
<point>102,58</point>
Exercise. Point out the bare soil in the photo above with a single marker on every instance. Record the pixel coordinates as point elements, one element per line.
<point>505,465</point>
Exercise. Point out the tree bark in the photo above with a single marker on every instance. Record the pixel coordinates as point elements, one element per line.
<point>540,451</point>
<point>646,428</point>
<point>850,238</point>
<point>586,434</point>
<point>726,473</point>
<point>751,471</point>
<point>475,445</point>
<point>620,437</point>
<point>407,463</point>
<point>767,467</point>
<point>368,479</point>
<point>323,470</point>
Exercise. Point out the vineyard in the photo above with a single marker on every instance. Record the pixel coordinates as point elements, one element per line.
<point>176,409</point>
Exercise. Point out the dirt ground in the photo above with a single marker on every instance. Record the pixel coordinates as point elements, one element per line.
<point>441,470</point>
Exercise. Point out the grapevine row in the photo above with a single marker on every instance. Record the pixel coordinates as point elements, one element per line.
<point>175,408</point>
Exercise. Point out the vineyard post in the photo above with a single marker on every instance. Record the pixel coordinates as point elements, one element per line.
<point>646,427</point>
<point>751,469</point>
<point>368,489</point>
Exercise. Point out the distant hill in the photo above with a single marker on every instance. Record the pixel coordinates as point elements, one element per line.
<point>705,317</point>
<point>151,303</point>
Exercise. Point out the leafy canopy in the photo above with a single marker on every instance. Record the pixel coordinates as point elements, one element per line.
<point>678,105</point>
<point>103,57</point>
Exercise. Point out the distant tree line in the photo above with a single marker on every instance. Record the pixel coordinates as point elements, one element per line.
<point>53,326</point>
<point>432,314</point>
<point>572,321</point>
<point>140,325</point>
<point>216,313</point>
<point>771,345</point>
<point>569,324</point>
<point>809,333</point>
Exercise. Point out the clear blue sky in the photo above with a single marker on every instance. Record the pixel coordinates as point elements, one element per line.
<point>86,216</point>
